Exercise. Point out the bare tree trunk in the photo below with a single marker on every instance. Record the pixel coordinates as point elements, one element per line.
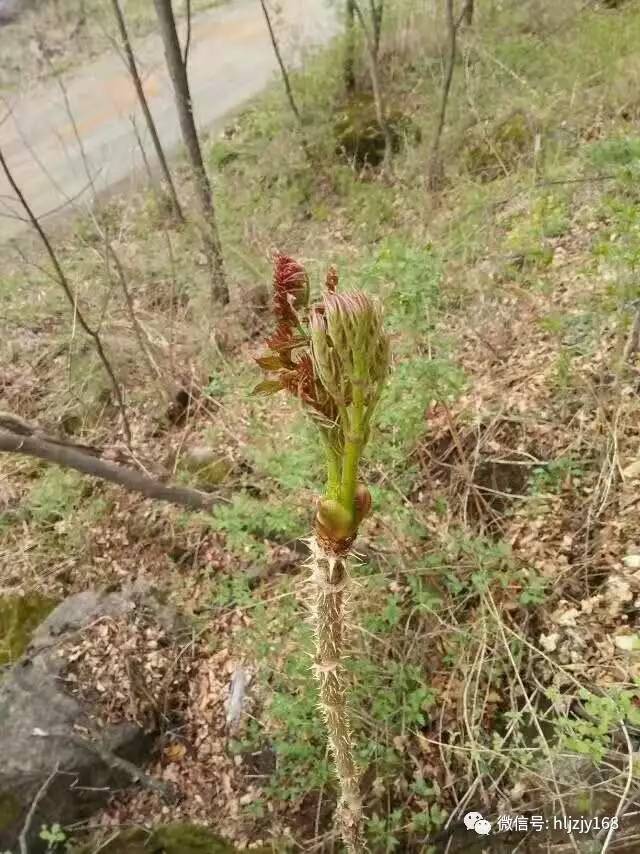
<point>151,126</point>
<point>66,287</point>
<point>283,70</point>
<point>180,82</point>
<point>435,168</point>
<point>468,13</point>
<point>350,49</point>
<point>20,437</point>
<point>377,89</point>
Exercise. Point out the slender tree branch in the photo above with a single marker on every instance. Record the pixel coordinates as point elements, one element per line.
<point>67,105</point>
<point>137,327</point>
<point>283,70</point>
<point>375,83</point>
<point>143,153</point>
<point>20,437</point>
<point>180,83</point>
<point>42,791</point>
<point>64,284</point>
<point>633,339</point>
<point>142,98</point>
<point>187,42</point>
<point>350,49</point>
<point>377,11</point>
<point>453,24</point>
<point>165,790</point>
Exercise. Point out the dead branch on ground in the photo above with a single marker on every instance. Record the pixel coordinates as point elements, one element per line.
<point>42,791</point>
<point>20,437</point>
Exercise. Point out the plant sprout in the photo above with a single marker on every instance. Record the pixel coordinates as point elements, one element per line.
<point>334,356</point>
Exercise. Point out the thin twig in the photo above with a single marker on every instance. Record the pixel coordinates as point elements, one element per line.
<point>283,69</point>
<point>137,327</point>
<point>64,284</point>
<point>623,800</point>
<point>378,99</point>
<point>74,126</point>
<point>142,98</point>
<point>587,179</point>
<point>377,11</point>
<point>137,775</point>
<point>633,339</point>
<point>24,835</point>
<point>187,43</point>
<point>453,24</point>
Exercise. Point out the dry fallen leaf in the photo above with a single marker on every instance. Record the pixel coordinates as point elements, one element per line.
<point>174,752</point>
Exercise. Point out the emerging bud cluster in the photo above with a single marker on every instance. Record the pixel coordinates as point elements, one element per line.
<point>333,356</point>
<point>289,361</point>
<point>350,349</point>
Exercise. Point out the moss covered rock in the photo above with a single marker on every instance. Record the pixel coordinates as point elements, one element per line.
<point>169,839</point>
<point>206,465</point>
<point>19,617</point>
<point>33,698</point>
<point>499,149</point>
<point>359,136</point>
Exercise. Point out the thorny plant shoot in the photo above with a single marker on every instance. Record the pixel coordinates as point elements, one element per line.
<point>334,356</point>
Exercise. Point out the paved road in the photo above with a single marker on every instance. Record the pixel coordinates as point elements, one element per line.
<point>231,60</point>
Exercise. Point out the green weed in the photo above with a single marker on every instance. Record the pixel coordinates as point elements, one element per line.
<point>591,733</point>
<point>550,478</point>
<point>56,495</point>
<point>248,523</point>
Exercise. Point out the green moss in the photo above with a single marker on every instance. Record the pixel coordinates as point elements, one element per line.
<point>222,153</point>
<point>19,616</point>
<point>9,810</point>
<point>359,136</point>
<point>208,470</point>
<point>499,150</point>
<point>170,839</point>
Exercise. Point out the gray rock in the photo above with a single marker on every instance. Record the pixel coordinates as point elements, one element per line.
<point>42,727</point>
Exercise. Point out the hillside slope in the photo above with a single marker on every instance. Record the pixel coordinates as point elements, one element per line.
<point>495,635</point>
